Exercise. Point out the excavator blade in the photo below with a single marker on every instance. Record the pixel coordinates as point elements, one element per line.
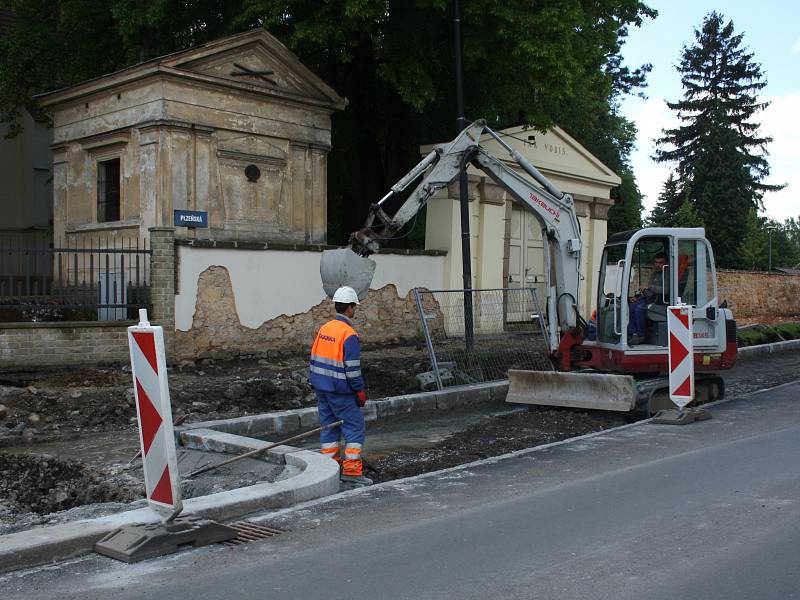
<point>594,391</point>
<point>345,267</point>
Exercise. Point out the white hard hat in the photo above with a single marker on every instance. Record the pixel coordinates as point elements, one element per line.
<point>346,295</point>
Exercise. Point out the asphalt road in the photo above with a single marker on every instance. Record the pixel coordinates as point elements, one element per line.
<point>710,510</point>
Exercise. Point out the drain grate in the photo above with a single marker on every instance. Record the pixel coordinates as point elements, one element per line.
<point>250,532</point>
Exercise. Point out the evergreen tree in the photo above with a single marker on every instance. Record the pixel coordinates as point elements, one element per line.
<point>688,216</point>
<point>753,248</point>
<point>668,203</point>
<point>718,151</point>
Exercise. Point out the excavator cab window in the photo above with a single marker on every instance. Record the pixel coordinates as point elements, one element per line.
<point>610,294</point>
<point>650,290</point>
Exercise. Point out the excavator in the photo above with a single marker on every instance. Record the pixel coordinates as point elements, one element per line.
<point>615,370</point>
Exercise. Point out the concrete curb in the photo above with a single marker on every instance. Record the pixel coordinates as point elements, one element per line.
<point>289,422</point>
<point>769,348</point>
<point>319,477</point>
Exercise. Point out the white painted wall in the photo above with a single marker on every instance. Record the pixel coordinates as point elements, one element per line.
<point>270,283</point>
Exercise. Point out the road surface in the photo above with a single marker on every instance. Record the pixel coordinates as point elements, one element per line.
<point>710,510</point>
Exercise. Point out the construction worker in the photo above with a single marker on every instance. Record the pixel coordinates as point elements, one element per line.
<point>335,375</point>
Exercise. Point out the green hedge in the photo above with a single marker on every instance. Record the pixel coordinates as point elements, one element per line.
<point>767,334</point>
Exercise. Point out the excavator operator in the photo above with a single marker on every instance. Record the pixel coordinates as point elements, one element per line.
<point>637,304</point>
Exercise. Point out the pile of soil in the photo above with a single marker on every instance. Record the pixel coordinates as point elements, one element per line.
<point>492,437</point>
<point>45,484</point>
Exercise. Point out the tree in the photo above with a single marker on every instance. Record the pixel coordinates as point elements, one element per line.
<point>753,248</point>
<point>719,155</point>
<point>669,202</point>
<point>554,61</point>
<point>687,216</point>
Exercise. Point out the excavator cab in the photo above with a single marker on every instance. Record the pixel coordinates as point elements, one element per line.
<point>642,273</point>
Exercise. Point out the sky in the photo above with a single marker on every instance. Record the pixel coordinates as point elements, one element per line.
<point>771,31</point>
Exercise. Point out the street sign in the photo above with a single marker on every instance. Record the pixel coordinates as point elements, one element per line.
<point>153,409</point>
<point>191,218</point>
<point>681,354</point>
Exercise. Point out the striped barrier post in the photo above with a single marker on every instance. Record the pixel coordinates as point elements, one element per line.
<point>681,354</point>
<point>154,412</point>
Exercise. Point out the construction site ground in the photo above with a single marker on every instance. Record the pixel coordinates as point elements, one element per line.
<point>67,437</point>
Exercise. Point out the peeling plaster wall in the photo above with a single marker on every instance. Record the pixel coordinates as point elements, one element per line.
<point>234,301</point>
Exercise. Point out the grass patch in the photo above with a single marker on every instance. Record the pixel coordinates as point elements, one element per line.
<point>767,334</point>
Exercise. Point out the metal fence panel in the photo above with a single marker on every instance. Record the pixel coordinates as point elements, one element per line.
<point>509,333</point>
<point>93,279</point>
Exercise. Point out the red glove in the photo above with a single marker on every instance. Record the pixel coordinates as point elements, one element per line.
<point>361,396</point>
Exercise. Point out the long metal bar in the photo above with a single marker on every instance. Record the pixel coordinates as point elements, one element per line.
<point>260,450</point>
<point>428,341</point>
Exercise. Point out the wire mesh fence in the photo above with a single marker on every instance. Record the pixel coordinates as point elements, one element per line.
<point>508,331</point>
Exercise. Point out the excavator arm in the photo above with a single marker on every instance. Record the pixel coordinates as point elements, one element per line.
<point>554,210</point>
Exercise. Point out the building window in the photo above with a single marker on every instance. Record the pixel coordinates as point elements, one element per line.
<point>108,190</point>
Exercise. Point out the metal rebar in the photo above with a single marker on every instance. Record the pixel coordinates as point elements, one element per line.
<point>260,450</point>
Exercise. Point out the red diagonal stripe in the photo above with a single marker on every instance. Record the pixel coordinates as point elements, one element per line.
<point>677,352</point>
<point>683,316</point>
<point>163,490</point>
<point>685,388</point>
<point>149,418</point>
<point>147,344</point>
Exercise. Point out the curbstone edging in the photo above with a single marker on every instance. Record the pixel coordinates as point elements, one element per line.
<point>768,348</point>
<point>319,476</point>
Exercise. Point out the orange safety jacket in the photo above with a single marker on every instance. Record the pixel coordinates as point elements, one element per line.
<point>336,358</point>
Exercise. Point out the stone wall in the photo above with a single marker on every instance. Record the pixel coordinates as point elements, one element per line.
<point>217,331</point>
<point>755,294</point>
<point>42,345</point>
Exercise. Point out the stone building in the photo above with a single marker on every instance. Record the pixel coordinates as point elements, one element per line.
<point>506,240</point>
<point>237,128</point>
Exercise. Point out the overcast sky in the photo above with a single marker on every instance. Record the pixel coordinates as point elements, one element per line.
<point>772,33</point>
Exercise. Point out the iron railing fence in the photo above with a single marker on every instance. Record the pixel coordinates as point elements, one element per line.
<point>100,279</point>
<point>509,332</point>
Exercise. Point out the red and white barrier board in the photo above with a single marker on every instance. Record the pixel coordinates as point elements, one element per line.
<point>681,354</point>
<point>153,408</point>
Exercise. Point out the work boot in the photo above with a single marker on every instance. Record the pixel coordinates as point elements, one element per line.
<point>635,340</point>
<point>358,480</point>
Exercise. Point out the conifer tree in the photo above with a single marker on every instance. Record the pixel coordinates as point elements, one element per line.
<point>718,152</point>
<point>668,203</point>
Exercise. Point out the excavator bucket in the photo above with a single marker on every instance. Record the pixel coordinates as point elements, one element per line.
<point>345,267</point>
<point>594,391</point>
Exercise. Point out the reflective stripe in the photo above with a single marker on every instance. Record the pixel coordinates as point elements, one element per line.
<point>327,361</point>
<point>328,445</point>
<point>352,374</point>
<point>352,467</point>
<point>327,372</point>
<point>352,363</point>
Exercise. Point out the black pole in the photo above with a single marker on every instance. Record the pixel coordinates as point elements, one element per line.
<point>463,188</point>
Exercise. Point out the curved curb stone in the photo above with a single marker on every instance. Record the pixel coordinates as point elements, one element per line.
<point>319,477</point>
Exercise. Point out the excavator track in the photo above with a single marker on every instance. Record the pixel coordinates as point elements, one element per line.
<point>652,395</point>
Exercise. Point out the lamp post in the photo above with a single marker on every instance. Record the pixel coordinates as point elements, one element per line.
<point>463,186</point>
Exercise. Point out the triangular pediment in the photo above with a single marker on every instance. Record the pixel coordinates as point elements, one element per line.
<point>256,60</point>
<point>554,151</point>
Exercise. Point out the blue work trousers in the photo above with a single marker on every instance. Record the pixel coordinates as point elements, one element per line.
<point>637,317</point>
<point>334,407</point>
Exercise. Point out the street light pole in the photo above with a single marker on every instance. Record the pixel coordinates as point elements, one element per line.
<point>463,187</point>
<point>769,262</point>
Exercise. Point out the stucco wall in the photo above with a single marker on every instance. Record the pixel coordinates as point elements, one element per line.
<point>235,301</point>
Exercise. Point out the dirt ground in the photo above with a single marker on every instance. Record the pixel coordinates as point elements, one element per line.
<point>40,406</point>
<point>66,436</point>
